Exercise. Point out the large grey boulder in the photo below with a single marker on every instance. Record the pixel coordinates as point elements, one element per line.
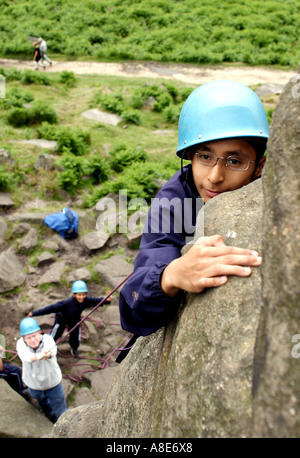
<point>6,201</point>
<point>82,421</point>
<point>83,396</point>
<point>5,158</point>
<point>94,240</point>
<point>34,218</point>
<point>194,378</point>
<point>11,271</point>
<point>27,420</point>
<point>113,270</point>
<point>29,241</point>
<point>45,161</point>
<point>101,116</point>
<point>49,144</point>
<point>277,367</point>
<point>213,347</point>
<point>3,227</point>
<point>53,274</point>
<point>100,381</point>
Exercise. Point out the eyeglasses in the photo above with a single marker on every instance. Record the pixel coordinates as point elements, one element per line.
<point>238,163</point>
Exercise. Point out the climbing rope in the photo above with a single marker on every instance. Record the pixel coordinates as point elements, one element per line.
<point>102,362</point>
<point>92,361</point>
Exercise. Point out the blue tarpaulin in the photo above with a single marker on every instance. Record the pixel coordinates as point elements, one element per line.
<point>64,222</point>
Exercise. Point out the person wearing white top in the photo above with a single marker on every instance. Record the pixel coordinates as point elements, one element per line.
<point>43,50</point>
<point>40,370</point>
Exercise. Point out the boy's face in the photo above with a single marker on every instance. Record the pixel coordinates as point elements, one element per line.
<point>80,297</point>
<point>33,340</point>
<point>212,181</point>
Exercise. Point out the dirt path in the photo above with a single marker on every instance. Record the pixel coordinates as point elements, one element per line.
<point>190,74</point>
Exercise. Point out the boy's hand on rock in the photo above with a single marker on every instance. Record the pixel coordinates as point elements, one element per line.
<point>207,264</point>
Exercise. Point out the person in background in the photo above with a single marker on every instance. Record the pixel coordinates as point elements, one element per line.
<point>10,373</point>
<point>37,57</point>
<point>68,313</point>
<point>43,49</point>
<point>40,370</point>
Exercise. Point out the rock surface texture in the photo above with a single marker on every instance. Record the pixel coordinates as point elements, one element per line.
<point>28,423</point>
<point>277,365</point>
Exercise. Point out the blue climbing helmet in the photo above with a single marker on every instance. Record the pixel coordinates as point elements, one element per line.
<point>28,326</point>
<point>79,286</point>
<point>219,110</point>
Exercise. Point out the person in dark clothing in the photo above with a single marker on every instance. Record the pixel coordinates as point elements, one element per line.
<point>12,375</point>
<point>37,56</point>
<point>68,313</point>
<point>223,132</point>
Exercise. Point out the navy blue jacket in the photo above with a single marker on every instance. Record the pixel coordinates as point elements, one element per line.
<point>68,311</point>
<point>144,307</point>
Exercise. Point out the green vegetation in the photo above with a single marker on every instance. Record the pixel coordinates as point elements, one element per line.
<point>91,158</point>
<point>37,112</point>
<point>202,32</point>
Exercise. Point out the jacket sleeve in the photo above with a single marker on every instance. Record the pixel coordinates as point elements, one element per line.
<point>23,351</point>
<point>93,301</point>
<point>53,308</point>
<point>144,307</point>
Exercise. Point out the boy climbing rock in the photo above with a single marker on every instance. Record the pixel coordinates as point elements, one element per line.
<point>223,132</point>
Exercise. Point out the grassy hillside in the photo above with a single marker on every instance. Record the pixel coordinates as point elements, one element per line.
<point>195,31</point>
<point>92,158</point>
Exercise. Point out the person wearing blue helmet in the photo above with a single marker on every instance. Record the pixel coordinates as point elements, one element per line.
<point>40,370</point>
<point>68,313</point>
<point>223,132</point>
